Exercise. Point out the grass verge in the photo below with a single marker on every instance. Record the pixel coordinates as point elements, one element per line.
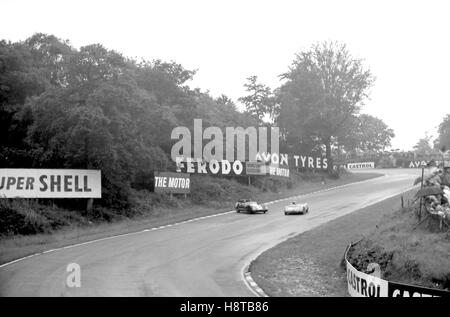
<point>310,264</point>
<point>22,245</point>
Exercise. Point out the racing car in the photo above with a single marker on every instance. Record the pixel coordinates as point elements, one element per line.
<point>294,208</point>
<point>250,206</point>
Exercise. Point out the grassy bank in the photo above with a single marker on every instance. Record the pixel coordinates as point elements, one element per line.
<point>406,252</point>
<point>310,264</point>
<point>213,196</point>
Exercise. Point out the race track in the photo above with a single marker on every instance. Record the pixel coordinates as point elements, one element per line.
<point>198,258</point>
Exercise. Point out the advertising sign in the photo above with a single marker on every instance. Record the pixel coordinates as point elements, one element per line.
<point>416,164</point>
<point>255,168</point>
<point>361,165</point>
<point>50,183</point>
<point>213,167</point>
<point>169,182</point>
<point>403,290</point>
<point>364,285</point>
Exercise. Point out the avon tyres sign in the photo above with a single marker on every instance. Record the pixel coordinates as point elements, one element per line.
<point>415,164</point>
<point>168,182</point>
<point>50,183</point>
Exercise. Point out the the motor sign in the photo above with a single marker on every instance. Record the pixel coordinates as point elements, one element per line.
<point>169,182</point>
<point>50,183</point>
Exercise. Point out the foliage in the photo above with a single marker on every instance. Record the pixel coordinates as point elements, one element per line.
<point>366,133</point>
<point>423,146</point>
<point>91,107</point>
<point>325,87</point>
<point>443,141</point>
<point>260,101</point>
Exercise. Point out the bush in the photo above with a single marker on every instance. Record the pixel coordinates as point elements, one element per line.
<point>22,216</point>
<point>143,202</point>
<point>208,188</point>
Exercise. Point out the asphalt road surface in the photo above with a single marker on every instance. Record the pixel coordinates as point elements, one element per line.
<point>205,257</point>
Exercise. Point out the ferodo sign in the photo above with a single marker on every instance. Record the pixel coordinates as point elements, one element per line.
<point>50,183</point>
<point>168,182</point>
<point>361,165</point>
<point>365,285</point>
<point>214,167</point>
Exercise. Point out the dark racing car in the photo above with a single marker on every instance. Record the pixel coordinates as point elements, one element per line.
<point>250,206</point>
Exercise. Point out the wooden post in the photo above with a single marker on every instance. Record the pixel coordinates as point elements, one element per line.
<point>420,204</point>
<point>90,203</point>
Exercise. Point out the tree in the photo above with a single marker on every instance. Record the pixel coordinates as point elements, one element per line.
<point>325,87</point>
<point>366,133</point>
<point>20,78</point>
<point>443,140</point>
<point>50,55</point>
<point>423,146</point>
<point>259,102</point>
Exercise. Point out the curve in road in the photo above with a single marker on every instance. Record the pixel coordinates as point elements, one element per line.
<point>195,258</point>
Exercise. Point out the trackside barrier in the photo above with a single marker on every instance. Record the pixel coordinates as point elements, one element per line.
<point>364,285</point>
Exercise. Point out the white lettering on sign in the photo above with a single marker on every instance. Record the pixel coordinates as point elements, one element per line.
<point>278,171</point>
<point>49,183</point>
<point>402,293</point>
<point>361,165</point>
<point>172,182</point>
<point>365,285</point>
<point>417,164</point>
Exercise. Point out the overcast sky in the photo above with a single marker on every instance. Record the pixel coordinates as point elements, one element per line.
<point>404,43</point>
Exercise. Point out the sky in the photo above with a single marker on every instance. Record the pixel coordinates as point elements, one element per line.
<point>404,44</point>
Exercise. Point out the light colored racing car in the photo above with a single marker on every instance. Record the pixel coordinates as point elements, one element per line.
<point>297,209</point>
<point>250,206</point>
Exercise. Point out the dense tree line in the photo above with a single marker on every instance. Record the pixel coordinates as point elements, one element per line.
<point>318,104</point>
<point>62,107</point>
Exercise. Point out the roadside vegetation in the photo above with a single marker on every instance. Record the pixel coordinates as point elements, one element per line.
<point>413,244</point>
<point>93,108</point>
<point>311,263</point>
<point>29,226</point>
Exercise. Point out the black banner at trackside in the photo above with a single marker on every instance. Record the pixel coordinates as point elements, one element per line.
<point>403,290</point>
<point>360,284</point>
